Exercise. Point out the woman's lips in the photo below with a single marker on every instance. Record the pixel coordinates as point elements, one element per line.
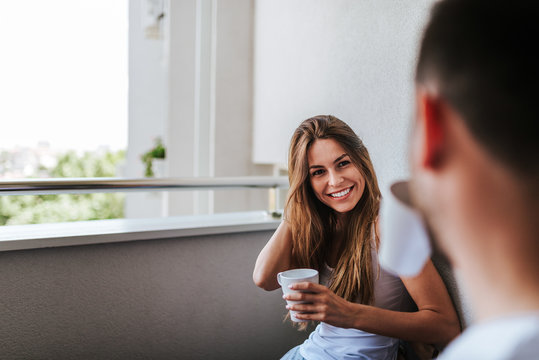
<point>341,194</point>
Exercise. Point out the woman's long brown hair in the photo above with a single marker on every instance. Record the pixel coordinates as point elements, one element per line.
<point>314,224</point>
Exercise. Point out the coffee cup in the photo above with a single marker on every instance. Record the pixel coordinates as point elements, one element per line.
<point>289,277</point>
<point>404,241</point>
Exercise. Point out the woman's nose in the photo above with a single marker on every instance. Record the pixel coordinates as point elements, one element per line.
<point>334,178</point>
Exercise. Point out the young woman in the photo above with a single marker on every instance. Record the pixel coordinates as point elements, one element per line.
<point>331,225</point>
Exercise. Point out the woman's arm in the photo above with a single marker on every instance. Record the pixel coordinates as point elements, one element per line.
<point>435,322</point>
<point>275,257</point>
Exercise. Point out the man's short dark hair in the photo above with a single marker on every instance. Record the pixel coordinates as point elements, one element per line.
<point>484,58</point>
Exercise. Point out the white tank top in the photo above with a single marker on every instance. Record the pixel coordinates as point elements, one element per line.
<point>330,342</point>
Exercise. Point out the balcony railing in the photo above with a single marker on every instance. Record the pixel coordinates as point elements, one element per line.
<point>96,185</point>
<point>93,185</point>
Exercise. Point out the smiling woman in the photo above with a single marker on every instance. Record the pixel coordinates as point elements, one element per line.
<point>331,226</point>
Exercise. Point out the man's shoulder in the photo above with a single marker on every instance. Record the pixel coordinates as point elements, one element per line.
<point>512,337</point>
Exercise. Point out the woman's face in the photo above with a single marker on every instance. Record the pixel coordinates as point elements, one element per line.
<point>335,180</point>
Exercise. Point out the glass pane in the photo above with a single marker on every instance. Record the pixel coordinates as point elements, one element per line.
<point>64,90</point>
<point>64,82</point>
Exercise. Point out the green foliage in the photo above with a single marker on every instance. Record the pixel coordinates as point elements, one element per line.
<point>33,209</point>
<point>157,152</point>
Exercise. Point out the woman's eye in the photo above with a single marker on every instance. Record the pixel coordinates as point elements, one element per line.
<point>344,163</point>
<point>317,172</point>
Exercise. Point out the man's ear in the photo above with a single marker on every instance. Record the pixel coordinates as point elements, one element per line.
<point>431,115</point>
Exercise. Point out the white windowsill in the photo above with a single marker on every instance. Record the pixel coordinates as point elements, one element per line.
<point>21,237</point>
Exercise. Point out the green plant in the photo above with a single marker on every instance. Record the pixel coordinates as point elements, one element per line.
<point>157,152</point>
<point>36,209</point>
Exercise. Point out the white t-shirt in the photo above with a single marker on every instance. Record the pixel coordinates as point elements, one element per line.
<point>506,338</point>
<point>330,342</point>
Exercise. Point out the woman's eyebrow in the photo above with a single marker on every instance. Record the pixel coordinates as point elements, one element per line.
<point>340,158</point>
<point>335,161</point>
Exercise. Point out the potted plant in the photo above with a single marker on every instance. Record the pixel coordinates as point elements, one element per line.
<point>157,152</point>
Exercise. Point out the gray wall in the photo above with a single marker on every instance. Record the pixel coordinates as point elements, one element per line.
<point>188,298</point>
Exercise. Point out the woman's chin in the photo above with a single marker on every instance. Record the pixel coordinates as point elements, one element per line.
<point>342,209</point>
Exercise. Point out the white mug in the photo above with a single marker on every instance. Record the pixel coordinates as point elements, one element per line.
<point>404,241</point>
<point>293,276</point>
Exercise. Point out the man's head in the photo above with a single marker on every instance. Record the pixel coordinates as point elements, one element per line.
<point>477,82</point>
<point>484,59</point>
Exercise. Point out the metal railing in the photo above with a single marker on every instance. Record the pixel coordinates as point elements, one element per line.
<point>92,185</point>
<point>96,185</point>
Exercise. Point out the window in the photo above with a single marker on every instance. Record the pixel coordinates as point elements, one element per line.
<point>185,77</point>
<point>64,89</point>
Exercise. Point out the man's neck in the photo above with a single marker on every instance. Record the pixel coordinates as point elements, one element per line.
<point>507,290</point>
<point>500,267</point>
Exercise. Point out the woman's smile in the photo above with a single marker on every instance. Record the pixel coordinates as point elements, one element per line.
<point>341,195</point>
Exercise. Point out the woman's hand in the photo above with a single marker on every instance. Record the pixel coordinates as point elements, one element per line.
<point>321,304</point>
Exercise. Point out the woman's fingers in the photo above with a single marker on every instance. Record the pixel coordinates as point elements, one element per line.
<point>306,291</point>
<point>308,316</point>
<point>308,286</point>
<point>302,307</point>
<point>300,297</point>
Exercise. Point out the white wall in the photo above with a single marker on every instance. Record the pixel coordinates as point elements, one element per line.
<point>210,112</point>
<point>233,105</point>
<point>148,108</point>
<point>353,59</point>
<point>181,145</point>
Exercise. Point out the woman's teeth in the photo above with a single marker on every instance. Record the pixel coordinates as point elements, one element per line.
<point>341,193</point>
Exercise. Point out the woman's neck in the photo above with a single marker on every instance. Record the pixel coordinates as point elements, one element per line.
<point>337,240</point>
<point>341,223</point>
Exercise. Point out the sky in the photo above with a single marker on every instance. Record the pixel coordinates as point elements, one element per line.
<point>64,73</point>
